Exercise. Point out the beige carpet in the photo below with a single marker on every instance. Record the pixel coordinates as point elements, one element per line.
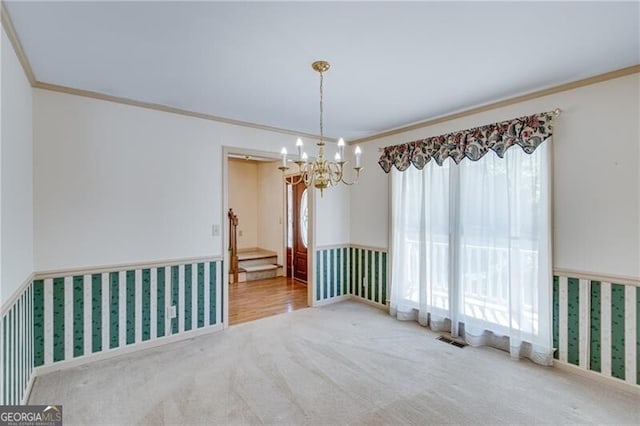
<point>346,363</point>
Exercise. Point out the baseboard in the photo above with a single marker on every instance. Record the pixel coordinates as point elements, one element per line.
<point>611,381</point>
<point>100,356</point>
<point>369,302</point>
<point>332,300</point>
<point>27,391</point>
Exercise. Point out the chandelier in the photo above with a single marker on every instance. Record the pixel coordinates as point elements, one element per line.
<point>321,173</point>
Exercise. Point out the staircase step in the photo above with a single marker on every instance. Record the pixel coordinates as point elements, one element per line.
<point>251,254</point>
<point>256,268</point>
<point>256,262</point>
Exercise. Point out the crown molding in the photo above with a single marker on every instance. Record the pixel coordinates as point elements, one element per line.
<point>17,46</point>
<point>506,102</point>
<point>170,109</point>
<point>5,18</point>
<point>7,24</point>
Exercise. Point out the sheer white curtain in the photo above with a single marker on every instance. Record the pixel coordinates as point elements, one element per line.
<point>472,245</point>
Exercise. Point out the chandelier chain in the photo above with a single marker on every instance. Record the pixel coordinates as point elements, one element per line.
<point>321,109</point>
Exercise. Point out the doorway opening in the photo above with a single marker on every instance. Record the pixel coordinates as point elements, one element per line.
<point>258,285</point>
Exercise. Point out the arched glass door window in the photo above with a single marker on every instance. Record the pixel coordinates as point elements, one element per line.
<point>304,218</point>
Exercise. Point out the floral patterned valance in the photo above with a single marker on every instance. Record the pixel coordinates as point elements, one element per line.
<point>528,132</point>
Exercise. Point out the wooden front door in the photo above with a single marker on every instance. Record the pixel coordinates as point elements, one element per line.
<point>298,231</point>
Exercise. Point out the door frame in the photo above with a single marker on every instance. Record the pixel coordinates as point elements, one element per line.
<point>224,226</point>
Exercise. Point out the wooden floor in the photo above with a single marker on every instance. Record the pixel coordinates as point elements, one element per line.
<point>252,300</point>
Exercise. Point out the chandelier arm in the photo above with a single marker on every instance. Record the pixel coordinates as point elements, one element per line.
<point>307,175</point>
<point>291,181</point>
<point>355,179</point>
<point>335,173</point>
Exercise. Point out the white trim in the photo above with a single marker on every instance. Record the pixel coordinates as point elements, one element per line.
<point>99,356</point>
<point>338,272</point>
<point>137,297</point>
<point>194,296</point>
<point>365,274</point>
<point>48,320</point>
<point>59,273</point>
<point>595,276</point>
<point>519,99</point>
<point>563,318</point>
<point>167,301</point>
<point>121,267</point>
<point>181,302</point>
<point>3,363</point>
<point>6,306</point>
<point>584,322</point>
<point>105,326</point>
<point>630,334</point>
<point>19,360</point>
<point>332,300</point>
<point>332,246</point>
<point>320,266</point>
<point>87,289</point>
<point>222,281</point>
<point>345,270</point>
<point>379,283</point>
<point>122,309</point>
<point>359,271</point>
<point>207,293</point>
<point>597,377</point>
<point>27,391</point>
<point>31,333</point>
<point>224,218</point>
<point>312,249</point>
<point>370,302</point>
<point>153,303</point>
<point>605,328</point>
<point>333,272</point>
<point>372,248</point>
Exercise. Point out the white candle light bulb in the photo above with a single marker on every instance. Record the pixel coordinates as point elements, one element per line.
<point>304,157</point>
<point>337,157</point>
<point>358,153</point>
<point>341,147</point>
<point>284,156</point>
<point>299,146</point>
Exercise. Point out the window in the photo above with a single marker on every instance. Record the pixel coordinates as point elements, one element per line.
<point>471,245</point>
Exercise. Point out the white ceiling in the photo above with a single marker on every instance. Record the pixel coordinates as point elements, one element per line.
<point>391,63</point>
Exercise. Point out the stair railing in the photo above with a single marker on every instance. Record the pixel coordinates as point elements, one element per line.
<point>233,244</point>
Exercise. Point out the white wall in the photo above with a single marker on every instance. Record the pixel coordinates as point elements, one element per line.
<point>332,216</point>
<point>120,184</point>
<point>16,176</point>
<point>596,149</point>
<point>243,199</point>
<point>271,216</point>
